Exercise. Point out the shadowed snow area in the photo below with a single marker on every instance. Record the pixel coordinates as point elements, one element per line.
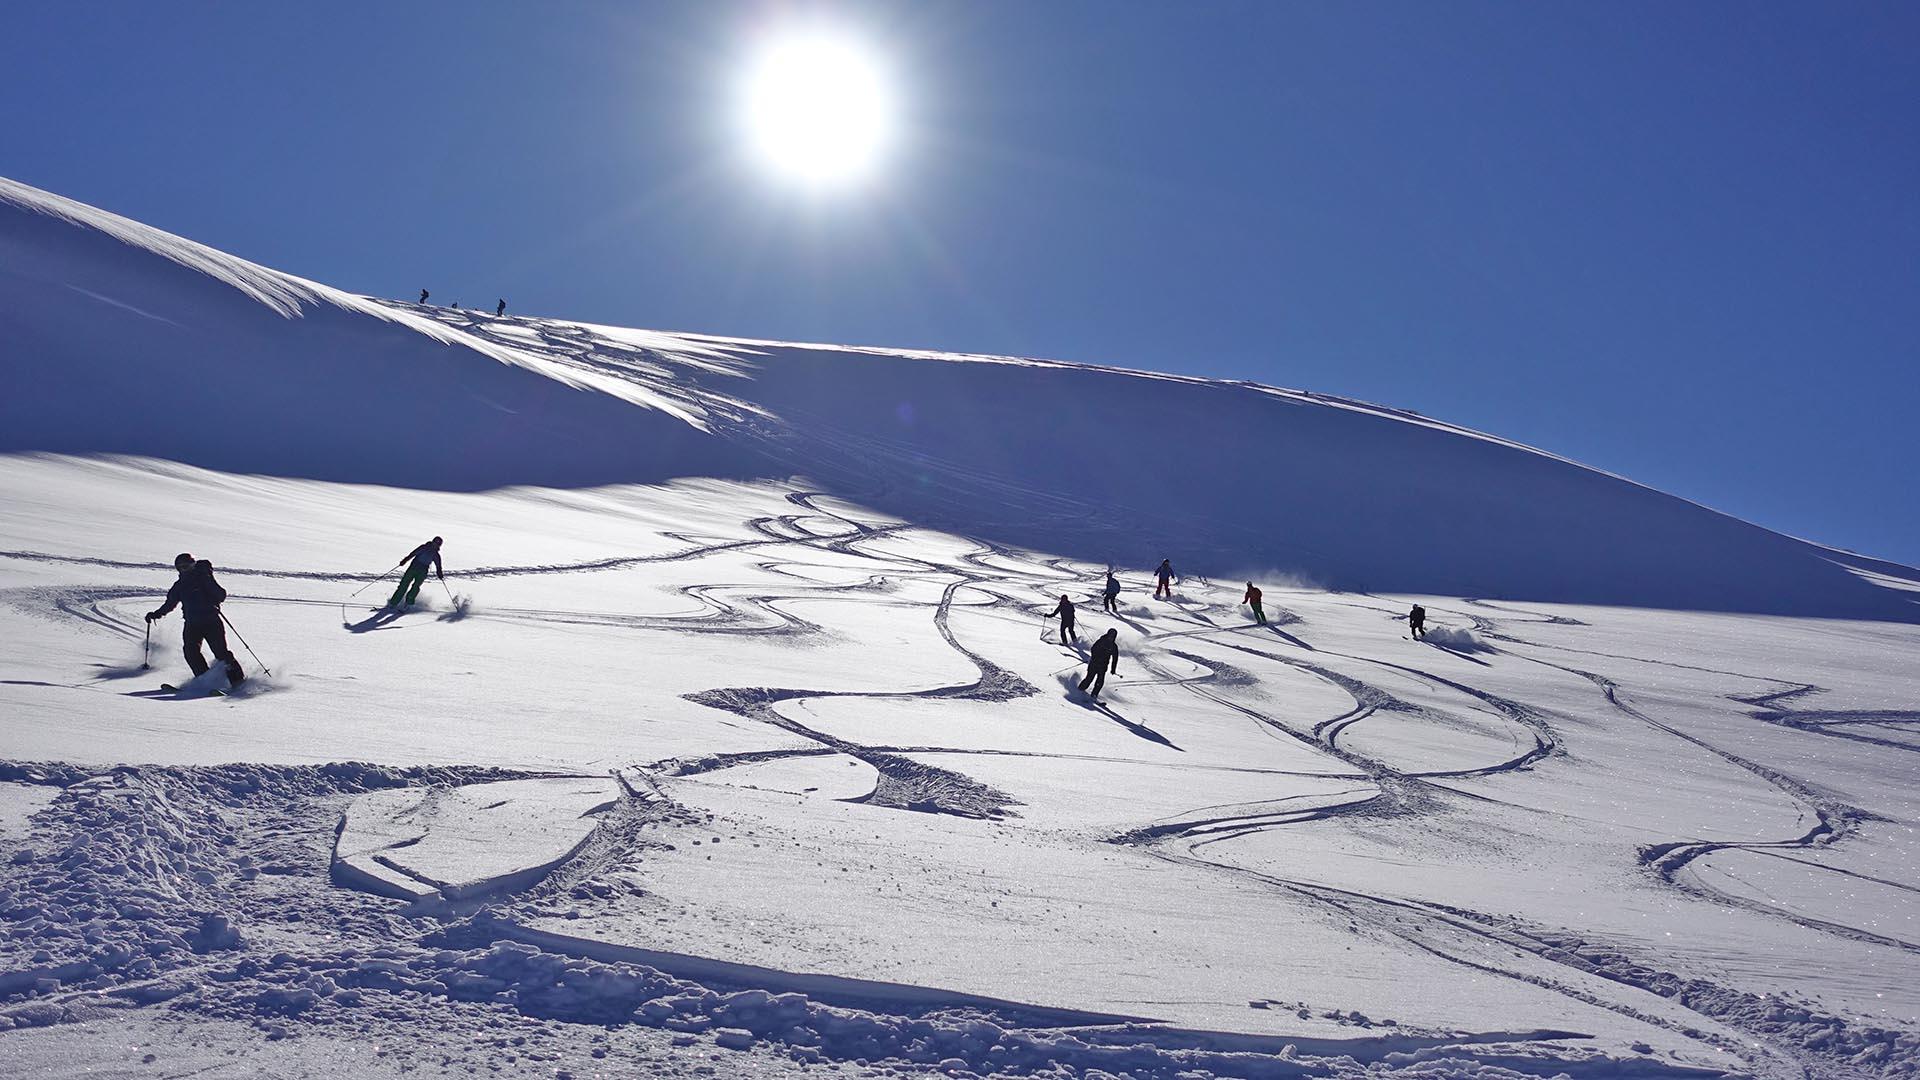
<point>126,339</point>
<point>735,742</point>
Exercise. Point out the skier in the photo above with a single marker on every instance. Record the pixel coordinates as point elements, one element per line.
<point>417,560</point>
<point>1109,601</point>
<point>1253,598</point>
<point>1105,657</point>
<point>1164,575</point>
<point>1417,621</point>
<point>499,309</point>
<point>199,597</point>
<point>423,296</point>
<point>1065,610</point>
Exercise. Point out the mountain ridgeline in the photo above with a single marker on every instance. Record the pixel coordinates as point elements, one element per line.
<point>123,339</point>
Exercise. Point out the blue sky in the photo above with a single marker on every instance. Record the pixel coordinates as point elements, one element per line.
<point>1676,241</point>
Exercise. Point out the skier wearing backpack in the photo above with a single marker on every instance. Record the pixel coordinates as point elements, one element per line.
<point>1164,576</point>
<point>199,597</point>
<point>1110,599</point>
<point>1253,599</point>
<point>1105,657</point>
<point>417,560</point>
<point>1417,621</point>
<point>1065,610</point>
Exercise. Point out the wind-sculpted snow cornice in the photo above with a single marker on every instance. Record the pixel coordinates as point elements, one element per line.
<point>293,297</point>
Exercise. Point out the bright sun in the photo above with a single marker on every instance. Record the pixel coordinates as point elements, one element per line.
<point>817,108</point>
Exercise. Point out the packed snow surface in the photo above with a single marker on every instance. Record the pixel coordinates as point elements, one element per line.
<point>736,729</point>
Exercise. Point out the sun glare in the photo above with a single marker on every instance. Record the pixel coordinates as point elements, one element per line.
<point>817,108</point>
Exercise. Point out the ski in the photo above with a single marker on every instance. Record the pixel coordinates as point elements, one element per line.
<point>172,689</point>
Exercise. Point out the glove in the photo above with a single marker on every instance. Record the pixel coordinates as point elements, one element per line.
<point>152,615</point>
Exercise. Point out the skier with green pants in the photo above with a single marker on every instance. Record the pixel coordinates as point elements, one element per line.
<point>417,560</point>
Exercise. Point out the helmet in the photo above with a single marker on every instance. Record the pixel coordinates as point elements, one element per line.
<point>182,560</point>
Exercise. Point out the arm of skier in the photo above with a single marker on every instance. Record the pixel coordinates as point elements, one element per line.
<point>173,598</point>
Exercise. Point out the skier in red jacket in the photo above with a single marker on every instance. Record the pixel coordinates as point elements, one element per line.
<point>1253,598</point>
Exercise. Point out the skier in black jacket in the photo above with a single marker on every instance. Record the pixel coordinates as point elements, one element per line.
<point>1064,609</point>
<point>1105,657</point>
<point>199,598</point>
<point>1163,579</point>
<point>1110,599</point>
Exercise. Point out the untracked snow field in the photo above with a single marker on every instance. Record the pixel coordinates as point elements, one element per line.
<point>734,777</point>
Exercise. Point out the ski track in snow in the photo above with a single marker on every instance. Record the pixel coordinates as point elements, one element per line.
<point>199,962</point>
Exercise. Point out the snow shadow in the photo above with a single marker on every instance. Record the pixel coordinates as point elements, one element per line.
<point>1070,683</point>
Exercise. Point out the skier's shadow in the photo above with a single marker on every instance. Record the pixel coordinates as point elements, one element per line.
<point>1141,730</point>
<point>1288,638</point>
<point>379,620</point>
<point>1455,652</point>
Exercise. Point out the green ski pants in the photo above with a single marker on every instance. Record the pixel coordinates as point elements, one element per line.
<point>410,583</point>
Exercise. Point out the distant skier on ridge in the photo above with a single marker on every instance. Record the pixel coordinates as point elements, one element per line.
<point>1417,621</point>
<point>1064,609</point>
<point>1109,599</point>
<point>418,560</point>
<point>1105,657</point>
<point>499,309</point>
<point>1164,576</point>
<point>1252,599</point>
<point>423,296</point>
<point>199,597</point>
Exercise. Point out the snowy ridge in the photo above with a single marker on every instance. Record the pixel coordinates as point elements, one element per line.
<point>291,297</point>
<point>121,322</point>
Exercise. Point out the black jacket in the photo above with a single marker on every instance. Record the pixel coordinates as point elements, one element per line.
<point>420,557</point>
<point>1064,609</point>
<point>198,595</point>
<point>1105,655</point>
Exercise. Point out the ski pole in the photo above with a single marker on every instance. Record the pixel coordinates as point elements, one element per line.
<point>370,584</point>
<point>449,588</point>
<point>244,645</point>
<point>146,648</point>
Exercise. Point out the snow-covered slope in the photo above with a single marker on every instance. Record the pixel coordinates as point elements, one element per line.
<point>736,743</point>
<point>125,339</point>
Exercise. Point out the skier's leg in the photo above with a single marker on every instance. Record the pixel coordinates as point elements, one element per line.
<point>190,639</point>
<point>216,635</point>
<point>1099,681</point>
<point>414,593</point>
<point>1087,681</point>
<point>400,590</point>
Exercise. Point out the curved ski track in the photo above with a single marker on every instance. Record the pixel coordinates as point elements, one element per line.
<point>1002,576</point>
